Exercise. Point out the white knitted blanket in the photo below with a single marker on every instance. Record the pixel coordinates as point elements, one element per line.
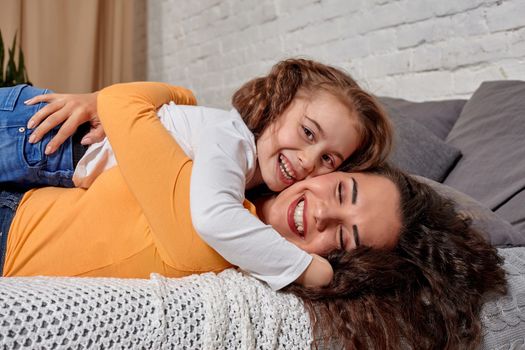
<point>225,311</point>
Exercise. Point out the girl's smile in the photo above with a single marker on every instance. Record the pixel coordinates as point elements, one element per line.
<point>286,171</point>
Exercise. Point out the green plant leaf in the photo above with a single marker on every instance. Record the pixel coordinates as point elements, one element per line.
<point>14,73</point>
<point>22,71</point>
<point>2,80</point>
<point>10,71</point>
<point>19,76</point>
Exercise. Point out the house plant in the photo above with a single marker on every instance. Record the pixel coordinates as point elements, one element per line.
<point>15,73</point>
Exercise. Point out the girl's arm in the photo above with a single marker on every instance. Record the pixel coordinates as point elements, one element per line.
<point>318,274</point>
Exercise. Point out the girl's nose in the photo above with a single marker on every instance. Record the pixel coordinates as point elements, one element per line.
<point>307,162</point>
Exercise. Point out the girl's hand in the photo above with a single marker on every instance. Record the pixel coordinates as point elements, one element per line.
<point>70,110</point>
<point>318,274</point>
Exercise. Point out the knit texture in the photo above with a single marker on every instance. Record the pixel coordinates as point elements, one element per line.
<point>224,311</point>
<point>504,318</point>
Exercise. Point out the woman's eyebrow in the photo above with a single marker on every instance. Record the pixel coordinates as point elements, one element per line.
<point>356,235</point>
<point>355,231</point>
<point>354,191</point>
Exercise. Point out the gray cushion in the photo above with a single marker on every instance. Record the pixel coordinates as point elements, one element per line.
<point>420,152</point>
<point>436,116</point>
<point>513,212</point>
<point>490,133</point>
<point>498,231</point>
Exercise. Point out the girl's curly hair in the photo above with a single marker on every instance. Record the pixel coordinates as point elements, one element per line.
<point>261,100</point>
<point>424,294</point>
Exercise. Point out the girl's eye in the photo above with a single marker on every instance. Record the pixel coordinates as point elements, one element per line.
<point>341,241</point>
<point>340,192</point>
<point>308,133</point>
<point>327,159</point>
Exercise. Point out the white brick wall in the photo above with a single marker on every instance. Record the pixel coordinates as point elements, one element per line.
<point>416,49</point>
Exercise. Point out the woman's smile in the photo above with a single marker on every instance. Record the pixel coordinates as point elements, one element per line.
<point>297,217</point>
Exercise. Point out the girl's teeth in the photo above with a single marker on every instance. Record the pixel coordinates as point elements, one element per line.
<point>285,170</point>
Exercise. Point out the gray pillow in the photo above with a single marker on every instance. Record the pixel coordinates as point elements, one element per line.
<point>420,152</point>
<point>436,116</point>
<point>490,133</point>
<point>512,213</point>
<point>497,231</point>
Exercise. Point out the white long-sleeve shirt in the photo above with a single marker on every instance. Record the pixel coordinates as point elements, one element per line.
<point>224,160</point>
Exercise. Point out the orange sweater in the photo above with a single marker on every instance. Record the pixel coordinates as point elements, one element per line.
<point>134,219</point>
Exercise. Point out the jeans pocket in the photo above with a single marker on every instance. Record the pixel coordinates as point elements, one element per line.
<point>33,153</point>
<point>14,164</point>
<point>9,97</point>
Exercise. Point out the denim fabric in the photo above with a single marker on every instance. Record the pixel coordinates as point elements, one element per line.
<point>8,203</point>
<point>22,164</point>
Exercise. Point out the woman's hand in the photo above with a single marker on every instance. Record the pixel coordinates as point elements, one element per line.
<point>318,274</point>
<point>70,110</point>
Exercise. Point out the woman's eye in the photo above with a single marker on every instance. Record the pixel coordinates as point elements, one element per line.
<point>341,241</point>
<point>308,133</point>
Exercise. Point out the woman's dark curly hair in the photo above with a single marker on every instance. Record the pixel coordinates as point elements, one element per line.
<point>262,100</point>
<point>424,294</point>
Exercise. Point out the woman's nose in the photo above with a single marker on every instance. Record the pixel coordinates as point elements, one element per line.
<point>322,218</point>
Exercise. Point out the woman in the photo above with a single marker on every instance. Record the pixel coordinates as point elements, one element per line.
<point>424,293</point>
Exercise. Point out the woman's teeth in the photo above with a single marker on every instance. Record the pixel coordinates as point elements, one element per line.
<point>285,170</point>
<point>298,217</point>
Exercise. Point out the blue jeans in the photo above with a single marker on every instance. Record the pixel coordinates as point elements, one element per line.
<point>8,203</point>
<point>24,165</point>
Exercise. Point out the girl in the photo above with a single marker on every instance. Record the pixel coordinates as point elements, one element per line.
<point>306,119</point>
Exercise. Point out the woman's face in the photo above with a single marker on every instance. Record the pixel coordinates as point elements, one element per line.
<point>313,136</point>
<point>337,211</point>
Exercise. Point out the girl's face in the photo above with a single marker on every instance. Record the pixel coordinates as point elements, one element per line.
<point>336,211</point>
<point>312,137</point>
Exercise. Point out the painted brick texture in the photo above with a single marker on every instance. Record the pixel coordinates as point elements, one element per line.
<point>415,49</point>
